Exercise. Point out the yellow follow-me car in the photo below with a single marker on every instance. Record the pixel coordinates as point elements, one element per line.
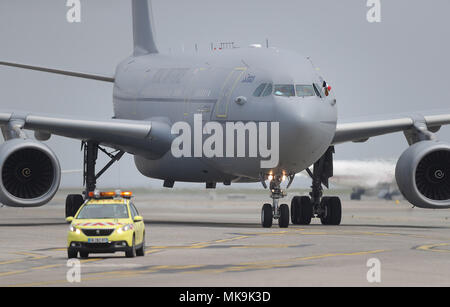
<point>107,222</point>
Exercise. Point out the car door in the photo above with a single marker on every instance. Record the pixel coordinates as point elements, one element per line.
<point>139,225</point>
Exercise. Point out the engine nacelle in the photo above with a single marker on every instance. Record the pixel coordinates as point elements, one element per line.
<point>423,174</point>
<point>30,173</point>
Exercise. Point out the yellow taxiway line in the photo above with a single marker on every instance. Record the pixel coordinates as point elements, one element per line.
<point>278,263</point>
<point>434,248</point>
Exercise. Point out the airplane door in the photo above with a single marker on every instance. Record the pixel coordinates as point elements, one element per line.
<point>221,110</point>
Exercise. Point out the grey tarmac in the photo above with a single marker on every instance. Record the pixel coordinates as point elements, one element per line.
<point>197,238</point>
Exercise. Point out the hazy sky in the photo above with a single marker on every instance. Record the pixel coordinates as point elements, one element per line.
<point>398,65</point>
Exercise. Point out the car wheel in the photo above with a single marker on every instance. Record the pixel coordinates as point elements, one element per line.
<point>141,251</point>
<point>71,254</point>
<point>131,252</point>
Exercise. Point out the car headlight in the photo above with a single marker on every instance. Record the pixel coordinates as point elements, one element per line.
<point>73,229</point>
<point>124,228</point>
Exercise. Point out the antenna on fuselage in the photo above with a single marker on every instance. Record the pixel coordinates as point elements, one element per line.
<point>144,38</point>
<point>223,45</point>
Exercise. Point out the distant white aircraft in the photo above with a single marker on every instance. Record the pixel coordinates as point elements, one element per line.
<point>365,177</point>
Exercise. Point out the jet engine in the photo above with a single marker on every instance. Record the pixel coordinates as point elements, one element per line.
<point>30,173</point>
<point>423,174</point>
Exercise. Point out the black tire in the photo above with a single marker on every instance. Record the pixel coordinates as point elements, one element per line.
<point>131,252</point>
<point>301,210</point>
<point>283,221</point>
<point>333,211</point>
<point>71,254</point>
<point>267,216</point>
<point>324,204</point>
<point>73,203</point>
<point>84,255</point>
<point>294,210</point>
<point>141,251</point>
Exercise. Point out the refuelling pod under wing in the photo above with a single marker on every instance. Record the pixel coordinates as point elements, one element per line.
<point>30,173</point>
<point>423,174</point>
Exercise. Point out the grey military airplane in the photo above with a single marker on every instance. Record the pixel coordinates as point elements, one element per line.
<point>248,87</point>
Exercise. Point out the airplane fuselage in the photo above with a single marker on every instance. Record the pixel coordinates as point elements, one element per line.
<point>174,89</point>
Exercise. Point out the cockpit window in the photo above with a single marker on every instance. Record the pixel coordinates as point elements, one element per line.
<point>304,90</point>
<point>286,90</point>
<point>316,89</point>
<point>268,90</point>
<point>259,90</point>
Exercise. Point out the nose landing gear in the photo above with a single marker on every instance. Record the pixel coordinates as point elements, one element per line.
<point>270,212</point>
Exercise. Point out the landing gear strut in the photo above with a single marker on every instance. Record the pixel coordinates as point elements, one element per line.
<point>275,211</point>
<point>91,149</point>
<point>328,209</point>
<point>304,208</point>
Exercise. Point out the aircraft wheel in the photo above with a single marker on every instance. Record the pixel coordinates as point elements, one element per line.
<point>73,203</point>
<point>283,221</point>
<point>333,211</point>
<point>266,216</point>
<point>301,210</point>
<point>294,208</point>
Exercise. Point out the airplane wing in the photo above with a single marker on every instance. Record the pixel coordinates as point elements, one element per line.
<point>362,131</point>
<point>82,75</point>
<point>150,139</point>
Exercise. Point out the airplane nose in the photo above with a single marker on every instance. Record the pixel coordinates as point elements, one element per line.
<point>307,127</point>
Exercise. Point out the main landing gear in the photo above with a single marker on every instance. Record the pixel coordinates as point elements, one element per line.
<point>305,208</point>
<point>90,177</point>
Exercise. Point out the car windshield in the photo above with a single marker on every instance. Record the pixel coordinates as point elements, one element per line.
<point>103,211</point>
<point>286,90</point>
<point>304,90</point>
